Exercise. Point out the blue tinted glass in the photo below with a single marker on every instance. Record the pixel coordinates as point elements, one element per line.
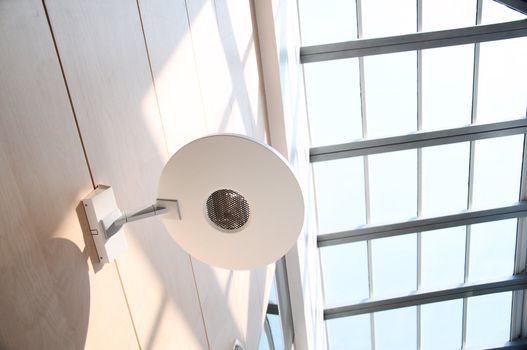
<point>339,186</point>
<point>437,271</point>
<point>345,273</point>
<point>394,262</point>
<point>489,319</point>
<point>349,333</point>
<point>441,325</point>
<point>396,329</point>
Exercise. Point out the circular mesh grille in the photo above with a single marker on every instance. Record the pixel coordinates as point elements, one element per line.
<point>228,209</point>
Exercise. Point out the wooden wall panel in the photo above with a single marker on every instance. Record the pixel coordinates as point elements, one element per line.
<point>207,81</point>
<point>105,61</point>
<point>173,65</point>
<point>50,296</point>
<point>233,302</point>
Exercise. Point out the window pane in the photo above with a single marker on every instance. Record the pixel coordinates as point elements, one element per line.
<point>492,247</point>
<point>387,17</point>
<point>445,179</point>
<point>394,264</point>
<point>447,14</point>
<point>264,343</point>
<point>497,171</point>
<point>443,257</point>
<point>276,330</point>
<point>502,76</point>
<point>345,273</point>
<point>494,12</point>
<point>441,325</point>
<point>489,319</point>
<point>327,21</point>
<point>391,89</point>
<point>340,194</point>
<point>333,99</point>
<point>503,72</point>
<point>393,186</point>
<point>447,87</point>
<point>349,333</point>
<point>396,329</point>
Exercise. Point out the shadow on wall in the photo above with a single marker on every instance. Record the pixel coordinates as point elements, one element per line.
<point>62,300</point>
<point>52,274</point>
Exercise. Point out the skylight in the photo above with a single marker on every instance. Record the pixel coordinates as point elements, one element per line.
<point>420,229</point>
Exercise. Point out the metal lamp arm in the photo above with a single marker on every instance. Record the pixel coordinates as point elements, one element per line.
<point>162,206</point>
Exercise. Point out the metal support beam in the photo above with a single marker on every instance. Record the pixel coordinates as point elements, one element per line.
<point>268,334</point>
<point>516,5</point>
<point>519,298</point>
<point>418,298</point>
<point>416,41</point>
<point>516,344</point>
<point>284,300</point>
<point>419,139</point>
<point>272,309</point>
<point>420,225</point>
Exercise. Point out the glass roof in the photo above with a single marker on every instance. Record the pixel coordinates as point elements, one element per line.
<point>380,96</point>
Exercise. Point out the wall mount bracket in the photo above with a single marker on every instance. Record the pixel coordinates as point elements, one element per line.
<point>106,220</point>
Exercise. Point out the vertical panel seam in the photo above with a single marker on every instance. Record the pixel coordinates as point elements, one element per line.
<point>128,305</point>
<point>196,69</point>
<point>84,150</point>
<point>68,92</point>
<point>206,127</point>
<point>199,301</point>
<point>152,76</point>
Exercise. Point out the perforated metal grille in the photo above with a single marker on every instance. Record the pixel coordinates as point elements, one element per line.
<point>228,209</point>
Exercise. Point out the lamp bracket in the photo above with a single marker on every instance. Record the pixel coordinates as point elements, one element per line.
<point>106,220</point>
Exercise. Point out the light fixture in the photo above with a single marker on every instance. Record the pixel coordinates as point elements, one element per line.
<point>228,200</point>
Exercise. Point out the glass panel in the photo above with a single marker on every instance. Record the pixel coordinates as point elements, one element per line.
<point>394,265</point>
<point>489,319</point>
<point>437,271</point>
<point>340,194</point>
<point>393,186</point>
<point>448,14</point>
<point>349,333</point>
<point>327,21</point>
<point>391,89</point>
<point>333,99</point>
<point>264,343</point>
<point>494,12</point>
<point>447,87</point>
<point>497,171</point>
<point>492,247</point>
<point>345,273</point>
<point>276,330</point>
<point>441,325</point>
<point>445,179</point>
<point>396,329</point>
<point>502,70</point>
<point>387,17</point>
<point>502,76</point>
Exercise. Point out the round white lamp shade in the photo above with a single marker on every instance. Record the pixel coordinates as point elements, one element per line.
<point>241,205</point>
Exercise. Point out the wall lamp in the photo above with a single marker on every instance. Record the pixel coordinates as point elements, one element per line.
<point>226,199</point>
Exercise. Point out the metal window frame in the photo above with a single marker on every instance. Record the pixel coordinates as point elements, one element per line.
<point>511,283</point>
<point>268,334</point>
<point>468,217</point>
<point>284,310</point>
<point>416,41</point>
<point>516,5</point>
<point>419,41</point>
<point>519,298</point>
<point>418,140</point>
